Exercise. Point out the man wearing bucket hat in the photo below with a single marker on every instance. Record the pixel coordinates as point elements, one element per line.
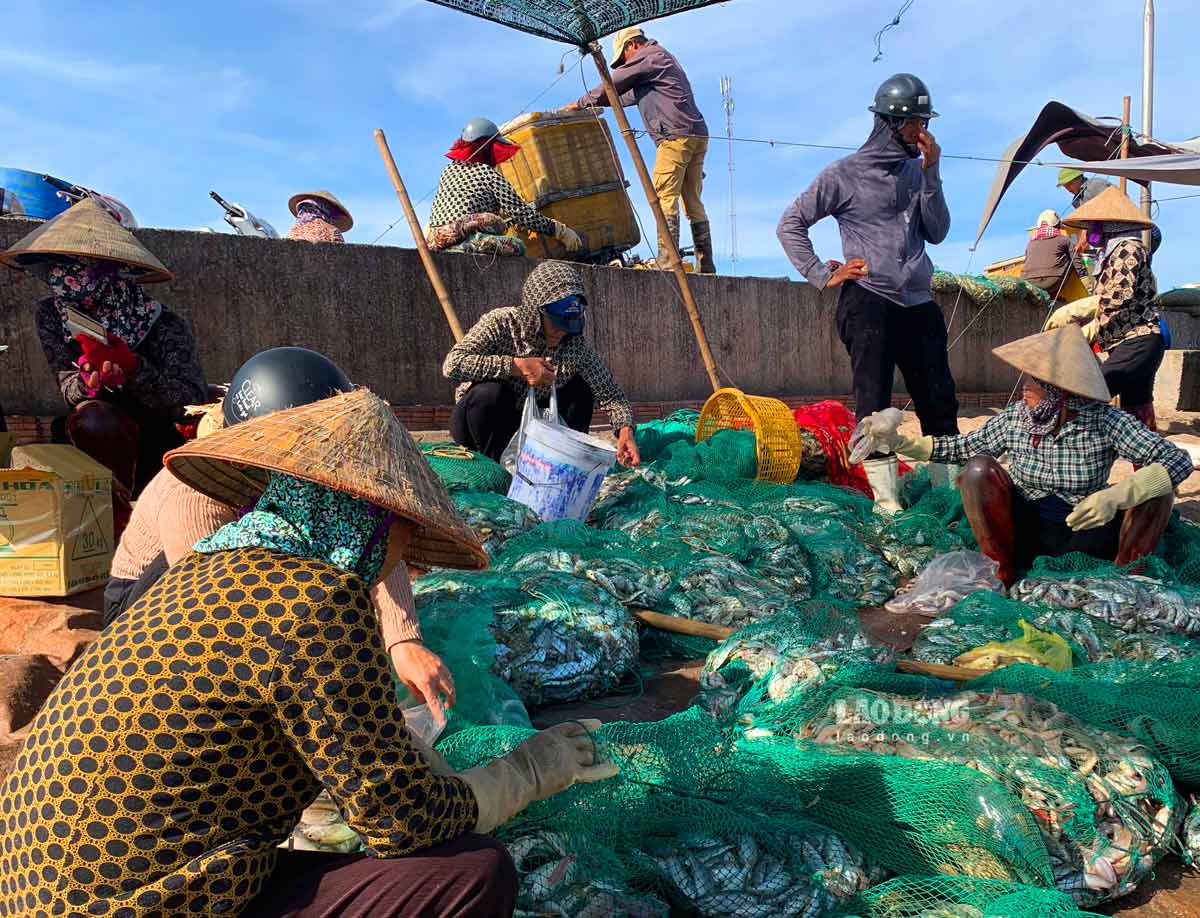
<point>250,678</point>
<point>126,365</point>
<point>1047,254</point>
<point>888,203</point>
<point>647,75</point>
<point>171,517</point>
<point>475,205</point>
<point>1062,440</point>
<point>540,344</point>
<point>320,217</point>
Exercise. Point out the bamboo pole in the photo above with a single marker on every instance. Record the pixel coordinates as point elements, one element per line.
<point>689,302</point>
<point>414,225</point>
<point>1125,114</point>
<point>939,670</point>
<point>677,625</point>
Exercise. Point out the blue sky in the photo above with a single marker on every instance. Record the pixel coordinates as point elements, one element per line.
<point>156,103</point>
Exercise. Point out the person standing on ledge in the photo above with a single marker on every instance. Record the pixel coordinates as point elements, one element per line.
<point>648,75</point>
<point>888,202</point>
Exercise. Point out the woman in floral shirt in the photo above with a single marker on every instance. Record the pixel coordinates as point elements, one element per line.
<point>126,365</point>
<point>320,217</point>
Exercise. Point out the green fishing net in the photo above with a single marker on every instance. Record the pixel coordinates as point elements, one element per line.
<point>961,897</point>
<point>494,518</point>
<point>726,455</point>
<point>460,469</point>
<point>653,437</point>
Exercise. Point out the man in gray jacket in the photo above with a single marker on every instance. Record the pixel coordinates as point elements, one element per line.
<point>647,75</point>
<point>887,200</point>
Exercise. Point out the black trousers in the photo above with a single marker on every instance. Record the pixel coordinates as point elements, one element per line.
<point>490,412</point>
<point>1131,367</point>
<point>880,336</point>
<point>1039,536</point>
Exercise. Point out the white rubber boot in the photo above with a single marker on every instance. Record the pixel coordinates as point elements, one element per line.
<point>884,477</point>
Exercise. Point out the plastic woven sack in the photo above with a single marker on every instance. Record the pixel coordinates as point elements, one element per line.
<point>494,517</point>
<point>463,470</point>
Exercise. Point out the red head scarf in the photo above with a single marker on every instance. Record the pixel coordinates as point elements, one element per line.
<point>489,150</point>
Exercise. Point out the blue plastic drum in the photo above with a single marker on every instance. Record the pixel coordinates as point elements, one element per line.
<point>38,197</point>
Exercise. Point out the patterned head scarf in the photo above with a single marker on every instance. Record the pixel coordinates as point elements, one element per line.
<point>302,518</point>
<point>1042,420</point>
<point>549,282</point>
<point>96,288</point>
<point>311,209</point>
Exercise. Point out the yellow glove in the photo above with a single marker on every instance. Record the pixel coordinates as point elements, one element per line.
<point>567,237</point>
<point>545,764</point>
<point>1099,508</point>
<point>919,448</point>
<point>1079,311</point>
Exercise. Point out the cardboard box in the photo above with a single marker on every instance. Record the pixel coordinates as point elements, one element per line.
<point>56,522</point>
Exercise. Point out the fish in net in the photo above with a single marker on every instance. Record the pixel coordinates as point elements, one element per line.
<point>494,518</point>
<point>1130,602</point>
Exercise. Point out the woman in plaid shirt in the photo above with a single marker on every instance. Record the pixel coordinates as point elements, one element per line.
<point>1061,439</point>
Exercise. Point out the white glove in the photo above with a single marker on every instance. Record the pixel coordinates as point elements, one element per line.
<point>567,237</point>
<point>876,433</point>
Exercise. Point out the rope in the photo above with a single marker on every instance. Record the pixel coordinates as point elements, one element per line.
<point>904,8</point>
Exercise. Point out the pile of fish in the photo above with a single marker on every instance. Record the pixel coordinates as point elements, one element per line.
<point>1132,603</point>
<point>852,570</point>
<point>909,541</point>
<point>1105,808</point>
<point>555,881</point>
<point>631,582</point>
<point>494,517</point>
<point>738,876</point>
<point>568,641</point>
<point>719,590</point>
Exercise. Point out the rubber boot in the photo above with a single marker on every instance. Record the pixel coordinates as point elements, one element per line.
<point>664,257</point>
<point>702,243</point>
<point>1143,528</point>
<point>884,477</point>
<point>987,496</point>
<point>944,474</point>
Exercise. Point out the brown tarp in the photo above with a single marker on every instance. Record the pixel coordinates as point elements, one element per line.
<point>1078,136</point>
<point>1174,168</point>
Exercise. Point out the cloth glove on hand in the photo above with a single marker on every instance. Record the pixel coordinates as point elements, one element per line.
<point>542,766</point>
<point>1099,508</point>
<point>567,237</point>
<point>919,448</point>
<point>1081,310</point>
<point>115,351</point>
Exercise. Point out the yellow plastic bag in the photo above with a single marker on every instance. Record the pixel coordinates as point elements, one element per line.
<point>1037,647</point>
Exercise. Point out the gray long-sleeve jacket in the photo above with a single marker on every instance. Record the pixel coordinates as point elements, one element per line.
<point>886,208</point>
<point>655,82</point>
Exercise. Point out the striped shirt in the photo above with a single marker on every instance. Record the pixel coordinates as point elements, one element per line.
<point>1072,464</point>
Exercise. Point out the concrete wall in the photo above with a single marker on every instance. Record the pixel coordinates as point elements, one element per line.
<point>372,310</point>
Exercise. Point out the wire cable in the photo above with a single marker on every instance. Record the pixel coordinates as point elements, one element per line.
<point>904,8</point>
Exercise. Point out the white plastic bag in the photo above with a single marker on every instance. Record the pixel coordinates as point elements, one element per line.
<point>864,440</point>
<point>946,580</point>
<point>512,452</point>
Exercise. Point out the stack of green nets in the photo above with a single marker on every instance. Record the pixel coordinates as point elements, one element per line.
<point>463,470</point>
<point>494,518</point>
<point>653,437</point>
<point>983,290</point>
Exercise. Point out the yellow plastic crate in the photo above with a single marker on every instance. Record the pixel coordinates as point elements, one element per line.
<point>774,427</point>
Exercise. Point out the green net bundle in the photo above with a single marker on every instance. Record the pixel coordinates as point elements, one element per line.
<point>556,637</point>
<point>844,566</point>
<point>726,455</point>
<point>460,469</point>
<point>961,897</point>
<point>1132,603</point>
<point>794,652</point>
<point>494,518</point>
<point>1106,809</point>
<point>653,437</point>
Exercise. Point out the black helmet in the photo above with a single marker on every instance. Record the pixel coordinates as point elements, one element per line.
<point>283,377</point>
<point>903,96</point>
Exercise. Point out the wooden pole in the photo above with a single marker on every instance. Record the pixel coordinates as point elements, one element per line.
<point>677,625</point>
<point>1125,113</point>
<point>939,670</point>
<point>414,224</point>
<point>689,302</point>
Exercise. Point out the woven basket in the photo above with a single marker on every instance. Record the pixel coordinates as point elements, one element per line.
<point>779,449</point>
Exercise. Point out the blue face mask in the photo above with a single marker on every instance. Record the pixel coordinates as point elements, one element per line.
<point>567,314</point>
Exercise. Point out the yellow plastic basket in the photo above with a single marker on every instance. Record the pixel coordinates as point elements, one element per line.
<point>774,427</point>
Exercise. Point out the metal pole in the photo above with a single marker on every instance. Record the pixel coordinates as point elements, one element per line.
<point>1126,105</point>
<point>727,99</point>
<point>665,238</point>
<point>414,224</point>
<point>1147,98</point>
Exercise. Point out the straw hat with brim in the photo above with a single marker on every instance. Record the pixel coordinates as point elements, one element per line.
<point>344,222</point>
<point>87,230</point>
<point>1061,357</point>
<point>350,443</point>
<point>1109,206</point>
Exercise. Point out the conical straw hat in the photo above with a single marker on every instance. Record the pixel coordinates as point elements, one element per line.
<point>344,222</point>
<point>351,443</point>
<point>88,230</point>
<point>1109,206</point>
<point>1061,357</point>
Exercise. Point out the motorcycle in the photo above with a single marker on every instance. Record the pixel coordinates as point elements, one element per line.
<point>73,194</point>
<point>243,222</point>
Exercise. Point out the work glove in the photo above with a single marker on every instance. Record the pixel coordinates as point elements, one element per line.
<point>567,237</point>
<point>876,433</point>
<point>1099,508</point>
<point>919,448</point>
<point>1078,311</point>
<point>545,764</point>
<point>116,352</point>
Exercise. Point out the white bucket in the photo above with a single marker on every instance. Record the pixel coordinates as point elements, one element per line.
<point>559,471</point>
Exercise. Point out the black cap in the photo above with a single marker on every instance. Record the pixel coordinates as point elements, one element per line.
<point>283,377</point>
